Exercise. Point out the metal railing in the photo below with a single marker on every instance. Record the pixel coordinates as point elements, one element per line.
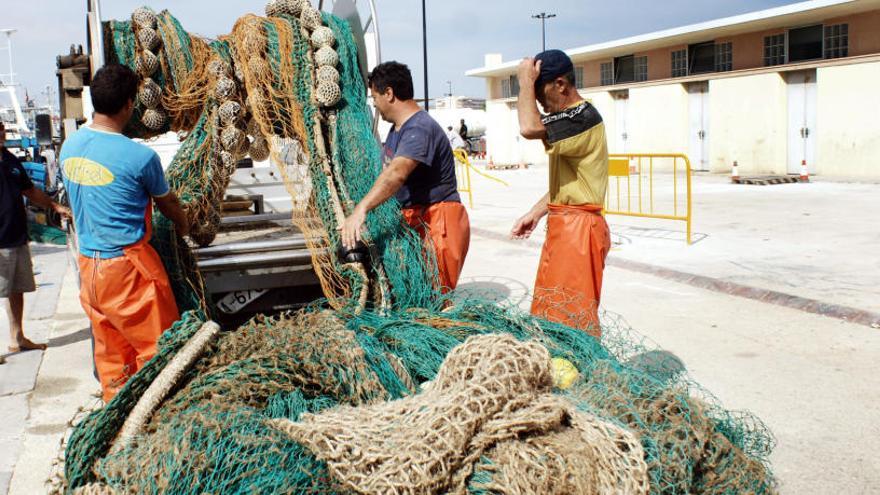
<point>626,168</point>
<point>463,169</point>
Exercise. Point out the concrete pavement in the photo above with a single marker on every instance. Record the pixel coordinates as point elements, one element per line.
<point>19,375</point>
<point>816,241</point>
<point>65,385</point>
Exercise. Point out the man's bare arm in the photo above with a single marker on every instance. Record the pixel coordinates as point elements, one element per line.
<point>526,224</point>
<point>40,198</point>
<point>387,184</point>
<point>530,125</point>
<point>170,207</point>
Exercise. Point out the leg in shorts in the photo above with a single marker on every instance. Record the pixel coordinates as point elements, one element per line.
<point>16,271</point>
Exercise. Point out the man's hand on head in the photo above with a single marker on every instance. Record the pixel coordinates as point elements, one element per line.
<point>528,72</point>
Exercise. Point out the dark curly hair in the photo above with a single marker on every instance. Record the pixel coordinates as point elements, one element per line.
<point>392,75</point>
<point>112,87</point>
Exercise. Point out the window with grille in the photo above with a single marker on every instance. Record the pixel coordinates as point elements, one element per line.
<point>514,86</point>
<point>606,74</point>
<point>505,88</point>
<point>774,50</point>
<point>724,57</point>
<point>679,63</point>
<point>579,77</point>
<point>641,68</point>
<point>836,41</point>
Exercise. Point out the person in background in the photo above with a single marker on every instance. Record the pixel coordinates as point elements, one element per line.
<point>113,183</point>
<point>568,286</point>
<point>419,171</point>
<point>16,267</point>
<point>463,132</point>
<point>454,139</point>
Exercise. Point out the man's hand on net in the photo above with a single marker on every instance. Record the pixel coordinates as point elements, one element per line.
<point>183,229</point>
<point>351,228</point>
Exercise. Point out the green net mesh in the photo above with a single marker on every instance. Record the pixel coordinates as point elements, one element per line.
<point>213,433</point>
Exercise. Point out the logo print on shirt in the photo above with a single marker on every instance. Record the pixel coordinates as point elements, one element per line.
<point>387,156</point>
<point>87,172</point>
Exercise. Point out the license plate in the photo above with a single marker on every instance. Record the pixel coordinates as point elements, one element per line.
<point>234,301</point>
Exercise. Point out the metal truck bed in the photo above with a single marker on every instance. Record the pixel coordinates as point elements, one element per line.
<point>258,264</point>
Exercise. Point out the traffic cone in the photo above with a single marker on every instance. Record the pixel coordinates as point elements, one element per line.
<point>734,173</point>
<point>805,174</point>
<point>491,164</point>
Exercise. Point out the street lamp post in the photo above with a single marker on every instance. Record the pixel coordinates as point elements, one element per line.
<point>543,16</point>
<point>449,94</point>
<point>9,33</point>
<point>425,52</point>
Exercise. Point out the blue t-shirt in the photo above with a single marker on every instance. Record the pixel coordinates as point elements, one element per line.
<point>422,139</point>
<point>110,180</point>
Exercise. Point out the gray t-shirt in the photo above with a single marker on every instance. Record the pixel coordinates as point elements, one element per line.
<point>422,139</point>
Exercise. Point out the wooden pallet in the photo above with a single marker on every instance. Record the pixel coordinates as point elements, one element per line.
<point>767,180</point>
<point>513,166</point>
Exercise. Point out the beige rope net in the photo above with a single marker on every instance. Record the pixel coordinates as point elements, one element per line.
<point>492,397</point>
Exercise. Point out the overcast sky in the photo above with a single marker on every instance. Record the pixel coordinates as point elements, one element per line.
<point>460,32</point>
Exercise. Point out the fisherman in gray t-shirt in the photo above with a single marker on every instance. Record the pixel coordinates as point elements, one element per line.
<point>419,172</point>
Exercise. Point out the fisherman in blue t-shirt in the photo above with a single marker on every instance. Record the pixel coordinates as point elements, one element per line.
<point>419,172</point>
<point>113,183</point>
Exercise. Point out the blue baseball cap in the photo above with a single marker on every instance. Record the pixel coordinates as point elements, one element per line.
<point>554,63</point>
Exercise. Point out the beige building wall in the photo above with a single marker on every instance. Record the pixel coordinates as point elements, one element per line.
<point>660,119</point>
<point>748,124</point>
<point>604,103</point>
<point>864,32</point>
<point>748,49</point>
<point>504,145</point>
<point>847,120</point>
<point>659,63</point>
<point>592,73</point>
<point>501,130</point>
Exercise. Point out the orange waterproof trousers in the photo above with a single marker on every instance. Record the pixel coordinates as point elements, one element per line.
<point>569,282</point>
<point>446,230</point>
<point>129,302</point>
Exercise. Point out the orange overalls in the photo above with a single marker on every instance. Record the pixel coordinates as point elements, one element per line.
<point>569,282</point>
<point>448,236</point>
<point>130,303</point>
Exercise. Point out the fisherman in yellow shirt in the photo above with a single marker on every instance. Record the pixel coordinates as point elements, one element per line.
<point>569,282</point>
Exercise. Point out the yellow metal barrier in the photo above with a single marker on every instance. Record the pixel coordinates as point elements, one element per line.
<point>463,169</point>
<point>624,166</point>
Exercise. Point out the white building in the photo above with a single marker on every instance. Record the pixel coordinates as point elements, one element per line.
<point>767,89</point>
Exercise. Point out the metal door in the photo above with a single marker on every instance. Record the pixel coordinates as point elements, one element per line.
<point>621,98</point>
<point>802,93</point>
<point>698,96</point>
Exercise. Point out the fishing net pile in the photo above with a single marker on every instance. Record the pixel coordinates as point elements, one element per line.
<point>379,389</point>
<point>285,87</point>
<point>462,397</point>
